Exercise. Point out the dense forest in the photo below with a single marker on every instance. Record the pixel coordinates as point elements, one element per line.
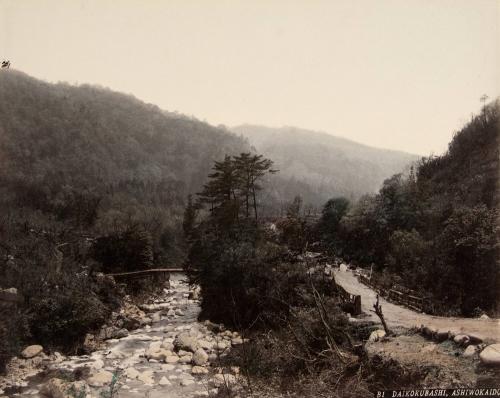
<point>436,230</point>
<point>318,166</point>
<point>90,181</point>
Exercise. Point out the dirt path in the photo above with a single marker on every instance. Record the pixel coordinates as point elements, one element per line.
<point>395,315</point>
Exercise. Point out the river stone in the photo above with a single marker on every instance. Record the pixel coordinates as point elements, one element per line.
<point>57,388</point>
<point>186,342</point>
<point>131,373</point>
<point>32,351</point>
<point>199,370</point>
<point>376,335</point>
<point>491,355</point>
<point>200,357</point>
<point>146,377</point>
<point>237,341</point>
<point>206,345</point>
<point>186,358</point>
<point>100,378</point>
<point>167,345</point>
<point>172,359</point>
<point>164,382</point>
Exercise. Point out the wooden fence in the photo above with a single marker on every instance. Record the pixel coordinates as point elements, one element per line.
<point>410,298</point>
<point>351,302</point>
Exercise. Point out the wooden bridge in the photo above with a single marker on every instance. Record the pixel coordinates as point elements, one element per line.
<point>158,274</point>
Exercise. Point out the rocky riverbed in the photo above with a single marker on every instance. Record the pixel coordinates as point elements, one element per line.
<point>174,356</point>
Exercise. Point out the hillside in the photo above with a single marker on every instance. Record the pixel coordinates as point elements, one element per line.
<point>67,152</point>
<point>436,231</point>
<point>323,165</point>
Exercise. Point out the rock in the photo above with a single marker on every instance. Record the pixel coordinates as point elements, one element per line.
<point>179,312</point>
<point>186,342</point>
<point>100,378</point>
<point>461,339</point>
<point>146,377</point>
<point>97,364</point>
<point>167,345</point>
<point>160,355</point>
<point>237,341</point>
<point>170,312</point>
<point>475,339</point>
<point>224,380</point>
<point>441,334</point>
<point>57,388</point>
<point>199,370</point>
<point>200,357</point>
<point>164,382</point>
<point>32,351</point>
<point>206,345</point>
<point>167,367</point>
<point>491,355</point>
<point>186,358</point>
<point>186,382</point>
<point>156,317</point>
<point>470,351</point>
<point>376,335</point>
<point>131,373</point>
<point>172,359</point>
<point>484,316</point>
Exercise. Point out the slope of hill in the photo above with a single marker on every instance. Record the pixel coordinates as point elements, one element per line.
<point>324,165</point>
<point>67,152</point>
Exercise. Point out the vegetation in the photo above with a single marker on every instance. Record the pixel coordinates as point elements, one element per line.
<point>90,181</point>
<point>436,229</point>
<point>318,166</point>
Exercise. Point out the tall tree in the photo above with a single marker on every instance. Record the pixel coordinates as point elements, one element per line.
<point>251,169</point>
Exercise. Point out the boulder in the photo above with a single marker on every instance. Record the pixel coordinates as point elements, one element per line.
<point>484,316</point>
<point>470,351</point>
<point>441,334</point>
<point>376,335</point>
<point>475,338</point>
<point>32,351</point>
<point>100,378</point>
<point>491,355</point>
<point>186,342</point>
<point>461,339</point>
<point>200,357</point>
<point>57,388</point>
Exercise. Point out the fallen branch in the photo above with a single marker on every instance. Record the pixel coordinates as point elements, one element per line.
<point>378,312</point>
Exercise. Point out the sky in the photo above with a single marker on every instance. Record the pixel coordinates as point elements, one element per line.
<point>397,74</point>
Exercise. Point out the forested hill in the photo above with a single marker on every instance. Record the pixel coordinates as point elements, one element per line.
<point>67,150</point>
<point>322,164</point>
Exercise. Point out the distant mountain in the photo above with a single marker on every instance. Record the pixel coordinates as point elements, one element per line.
<point>319,166</point>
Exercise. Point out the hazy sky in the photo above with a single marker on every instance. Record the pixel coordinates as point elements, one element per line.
<point>400,74</point>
